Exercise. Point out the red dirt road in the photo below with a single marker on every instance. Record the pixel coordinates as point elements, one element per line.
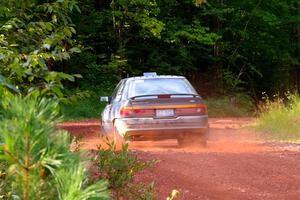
<point>236,165</point>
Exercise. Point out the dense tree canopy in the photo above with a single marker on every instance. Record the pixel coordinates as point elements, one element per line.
<point>221,46</point>
<point>34,37</point>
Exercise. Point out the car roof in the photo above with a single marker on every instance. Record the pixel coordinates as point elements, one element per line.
<point>152,77</point>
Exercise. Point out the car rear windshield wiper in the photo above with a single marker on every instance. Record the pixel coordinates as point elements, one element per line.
<point>163,95</point>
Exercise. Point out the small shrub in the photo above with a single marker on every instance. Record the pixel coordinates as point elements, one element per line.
<point>120,168</point>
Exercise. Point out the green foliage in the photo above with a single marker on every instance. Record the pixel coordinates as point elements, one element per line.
<point>5,192</point>
<point>108,29</point>
<point>82,109</point>
<point>279,118</point>
<point>232,83</point>
<point>129,37</point>
<point>239,105</point>
<point>75,188</point>
<point>83,104</point>
<point>5,86</point>
<point>234,39</point>
<point>250,44</point>
<point>39,163</point>
<point>258,43</point>
<point>120,168</point>
<point>35,38</point>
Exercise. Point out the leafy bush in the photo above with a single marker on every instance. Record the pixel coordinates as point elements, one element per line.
<point>120,168</point>
<point>38,162</point>
<point>280,117</point>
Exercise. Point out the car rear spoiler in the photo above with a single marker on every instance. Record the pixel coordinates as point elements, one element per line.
<point>163,95</point>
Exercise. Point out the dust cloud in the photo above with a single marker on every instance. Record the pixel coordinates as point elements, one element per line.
<point>226,135</point>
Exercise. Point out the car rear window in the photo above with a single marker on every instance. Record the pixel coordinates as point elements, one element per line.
<point>157,86</point>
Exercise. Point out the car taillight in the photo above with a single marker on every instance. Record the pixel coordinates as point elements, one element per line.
<point>199,109</point>
<point>136,112</point>
<point>125,113</point>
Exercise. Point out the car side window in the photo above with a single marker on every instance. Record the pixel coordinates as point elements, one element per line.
<point>120,91</point>
<point>117,94</point>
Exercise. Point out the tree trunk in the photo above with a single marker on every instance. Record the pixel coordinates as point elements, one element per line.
<point>26,169</point>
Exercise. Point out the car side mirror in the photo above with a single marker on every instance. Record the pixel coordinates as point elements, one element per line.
<point>105,99</point>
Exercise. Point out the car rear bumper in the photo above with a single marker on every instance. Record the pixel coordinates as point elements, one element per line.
<point>156,129</point>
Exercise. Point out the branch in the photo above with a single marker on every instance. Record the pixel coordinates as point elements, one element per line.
<point>14,158</point>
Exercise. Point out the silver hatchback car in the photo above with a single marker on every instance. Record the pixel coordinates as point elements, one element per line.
<point>153,107</point>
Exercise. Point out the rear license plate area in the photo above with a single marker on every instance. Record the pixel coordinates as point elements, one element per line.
<point>165,113</point>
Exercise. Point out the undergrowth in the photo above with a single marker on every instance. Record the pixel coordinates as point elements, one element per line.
<point>240,105</point>
<point>82,104</point>
<point>279,118</point>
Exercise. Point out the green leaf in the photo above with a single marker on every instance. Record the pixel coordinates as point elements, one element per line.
<point>41,62</point>
<point>57,91</point>
<point>66,76</point>
<point>75,50</point>
<point>77,75</point>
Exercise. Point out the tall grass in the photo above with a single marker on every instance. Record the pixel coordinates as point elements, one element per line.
<point>280,118</point>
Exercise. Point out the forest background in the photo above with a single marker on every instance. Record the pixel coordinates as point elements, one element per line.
<point>77,50</point>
